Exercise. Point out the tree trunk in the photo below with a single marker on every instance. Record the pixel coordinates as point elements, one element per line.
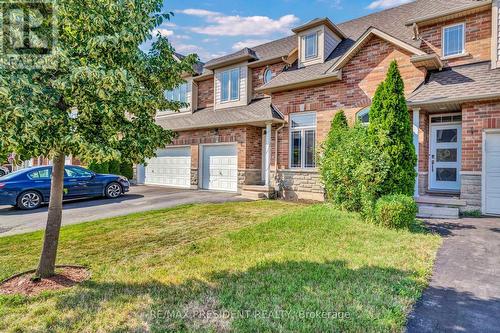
<point>46,267</point>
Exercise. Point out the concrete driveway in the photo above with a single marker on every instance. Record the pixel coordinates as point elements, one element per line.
<point>464,293</point>
<point>139,199</point>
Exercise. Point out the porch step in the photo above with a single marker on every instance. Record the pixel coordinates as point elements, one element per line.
<point>436,212</point>
<point>439,207</point>
<point>257,192</point>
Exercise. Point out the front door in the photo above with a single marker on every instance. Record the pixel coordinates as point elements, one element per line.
<point>445,157</point>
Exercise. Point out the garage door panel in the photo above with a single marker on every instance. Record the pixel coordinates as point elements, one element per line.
<point>492,173</point>
<point>172,167</point>
<point>220,168</point>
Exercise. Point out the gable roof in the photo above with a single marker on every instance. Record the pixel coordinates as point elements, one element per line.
<point>389,24</point>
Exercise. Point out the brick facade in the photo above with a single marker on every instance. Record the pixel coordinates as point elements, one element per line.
<point>206,93</point>
<point>360,78</point>
<point>477,38</point>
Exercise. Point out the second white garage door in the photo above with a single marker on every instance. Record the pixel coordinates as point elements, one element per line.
<point>171,167</point>
<point>220,168</point>
<point>492,174</point>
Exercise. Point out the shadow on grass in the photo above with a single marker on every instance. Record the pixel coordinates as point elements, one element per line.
<point>277,296</point>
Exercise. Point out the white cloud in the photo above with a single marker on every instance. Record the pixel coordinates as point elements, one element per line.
<point>197,12</point>
<point>384,4</point>
<point>164,32</point>
<point>249,43</point>
<point>219,24</point>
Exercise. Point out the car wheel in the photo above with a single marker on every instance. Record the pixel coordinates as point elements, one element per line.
<point>29,200</point>
<point>113,190</point>
<point>2,173</point>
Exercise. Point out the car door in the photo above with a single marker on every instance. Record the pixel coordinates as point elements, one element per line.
<point>40,180</point>
<point>80,182</point>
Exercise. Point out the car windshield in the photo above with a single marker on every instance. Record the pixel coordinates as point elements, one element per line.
<point>12,175</point>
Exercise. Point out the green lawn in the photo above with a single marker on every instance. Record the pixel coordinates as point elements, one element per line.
<point>247,267</point>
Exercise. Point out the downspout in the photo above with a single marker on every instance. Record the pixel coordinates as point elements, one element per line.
<point>276,157</point>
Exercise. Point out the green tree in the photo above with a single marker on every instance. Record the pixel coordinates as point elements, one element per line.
<point>391,138</point>
<point>97,100</point>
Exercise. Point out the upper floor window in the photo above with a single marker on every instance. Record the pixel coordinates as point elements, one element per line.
<point>303,140</point>
<point>230,85</point>
<point>311,46</point>
<point>363,116</point>
<point>179,94</point>
<point>454,40</point>
<point>268,75</point>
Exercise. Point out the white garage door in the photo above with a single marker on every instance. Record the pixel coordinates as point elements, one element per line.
<point>220,168</point>
<point>492,173</point>
<point>172,167</point>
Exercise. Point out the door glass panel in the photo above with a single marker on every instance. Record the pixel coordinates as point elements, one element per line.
<point>446,155</point>
<point>310,149</point>
<point>446,174</point>
<point>296,145</point>
<point>447,135</point>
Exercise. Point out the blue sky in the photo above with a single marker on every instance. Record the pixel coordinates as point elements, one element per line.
<point>212,28</point>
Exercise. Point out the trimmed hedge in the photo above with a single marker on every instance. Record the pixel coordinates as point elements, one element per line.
<point>124,169</point>
<point>395,211</point>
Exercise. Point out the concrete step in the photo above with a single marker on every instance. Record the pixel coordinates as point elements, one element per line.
<point>437,212</point>
<point>440,201</point>
<point>257,192</point>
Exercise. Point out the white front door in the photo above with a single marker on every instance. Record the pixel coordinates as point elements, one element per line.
<point>445,157</point>
<point>220,167</point>
<point>491,169</point>
<point>171,167</point>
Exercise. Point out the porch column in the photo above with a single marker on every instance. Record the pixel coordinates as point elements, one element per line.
<point>416,127</point>
<point>267,170</point>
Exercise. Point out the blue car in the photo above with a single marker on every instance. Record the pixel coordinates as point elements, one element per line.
<point>30,188</point>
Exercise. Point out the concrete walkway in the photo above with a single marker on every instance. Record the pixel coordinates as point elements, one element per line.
<point>139,199</point>
<point>464,293</point>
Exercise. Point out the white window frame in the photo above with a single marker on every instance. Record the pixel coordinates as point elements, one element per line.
<point>302,131</point>
<point>361,113</point>
<point>229,93</point>
<point>315,55</point>
<point>266,72</point>
<point>443,40</point>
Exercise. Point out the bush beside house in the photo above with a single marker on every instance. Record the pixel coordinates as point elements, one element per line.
<point>114,167</point>
<point>360,165</point>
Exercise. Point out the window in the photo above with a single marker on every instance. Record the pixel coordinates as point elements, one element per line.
<point>311,46</point>
<point>303,140</point>
<point>42,174</point>
<point>230,85</point>
<point>364,116</point>
<point>454,40</point>
<point>268,75</point>
<point>178,94</point>
<point>74,172</point>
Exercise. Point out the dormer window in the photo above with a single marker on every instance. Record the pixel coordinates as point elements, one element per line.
<point>311,45</point>
<point>230,85</point>
<point>454,40</point>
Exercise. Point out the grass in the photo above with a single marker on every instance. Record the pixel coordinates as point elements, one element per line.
<point>247,267</point>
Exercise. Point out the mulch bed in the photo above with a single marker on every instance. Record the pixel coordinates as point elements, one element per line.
<point>66,277</point>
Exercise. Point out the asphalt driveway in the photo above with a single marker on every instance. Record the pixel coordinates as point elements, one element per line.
<point>464,293</point>
<point>139,199</point>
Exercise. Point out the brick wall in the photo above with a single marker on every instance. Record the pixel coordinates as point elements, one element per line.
<point>475,118</point>
<point>361,76</point>
<point>205,93</point>
<point>477,38</point>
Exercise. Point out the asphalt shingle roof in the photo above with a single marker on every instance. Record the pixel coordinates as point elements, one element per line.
<point>391,21</point>
<point>257,111</point>
<point>471,81</point>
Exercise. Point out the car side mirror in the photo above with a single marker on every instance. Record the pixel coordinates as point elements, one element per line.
<point>93,175</point>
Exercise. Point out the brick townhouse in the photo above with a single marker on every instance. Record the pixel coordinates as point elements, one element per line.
<point>257,117</point>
